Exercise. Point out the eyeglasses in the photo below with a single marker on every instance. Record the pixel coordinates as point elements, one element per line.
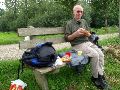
<point>79,11</point>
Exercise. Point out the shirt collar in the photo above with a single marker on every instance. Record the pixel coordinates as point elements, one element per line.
<point>77,22</point>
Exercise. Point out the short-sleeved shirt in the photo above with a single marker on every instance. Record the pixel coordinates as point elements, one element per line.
<point>73,26</point>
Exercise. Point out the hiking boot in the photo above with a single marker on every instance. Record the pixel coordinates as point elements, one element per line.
<point>107,87</point>
<point>101,76</point>
<point>99,83</point>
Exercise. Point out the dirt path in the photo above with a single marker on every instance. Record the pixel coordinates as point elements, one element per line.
<point>8,52</point>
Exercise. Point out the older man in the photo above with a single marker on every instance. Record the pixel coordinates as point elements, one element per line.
<point>77,33</point>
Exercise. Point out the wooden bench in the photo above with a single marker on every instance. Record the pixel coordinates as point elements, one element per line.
<point>31,41</point>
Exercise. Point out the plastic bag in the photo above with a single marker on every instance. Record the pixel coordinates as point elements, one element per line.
<point>17,85</point>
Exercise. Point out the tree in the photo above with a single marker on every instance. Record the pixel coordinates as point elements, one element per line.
<point>105,12</point>
<point>2,11</point>
<point>54,16</point>
<point>68,4</point>
<point>100,7</point>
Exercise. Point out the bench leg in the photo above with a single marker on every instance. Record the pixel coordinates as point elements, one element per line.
<point>56,71</point>
<point>41,80</point>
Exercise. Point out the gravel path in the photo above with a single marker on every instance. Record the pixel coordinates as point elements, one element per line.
<point>8,52</point>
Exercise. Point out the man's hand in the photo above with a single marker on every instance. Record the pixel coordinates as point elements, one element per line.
<point>84,32</point>
<point>80,32</point>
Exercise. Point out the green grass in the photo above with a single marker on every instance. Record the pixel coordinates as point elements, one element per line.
<point>8,38</point>
<point>8,73</point>
<point>110,41</point>
<point>104,30</point>
<point>66,79</point>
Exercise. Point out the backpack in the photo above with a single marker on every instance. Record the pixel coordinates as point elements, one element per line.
<point>43,55</point>
<point>94,39</point>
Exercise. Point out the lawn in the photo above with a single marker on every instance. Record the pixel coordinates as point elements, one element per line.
<point>9,38</point>
<point>105,30</point>
<point>66,79</point>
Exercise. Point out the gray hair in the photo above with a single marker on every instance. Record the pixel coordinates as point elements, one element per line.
<point>77,6</point>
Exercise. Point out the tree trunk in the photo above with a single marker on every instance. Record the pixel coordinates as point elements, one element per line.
<point>119,19</point>
<point>26,13</point>
<point>106,25</point>
<point>15,8</point>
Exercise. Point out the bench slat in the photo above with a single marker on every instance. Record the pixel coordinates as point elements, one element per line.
<point>39,31</point>
<point>34,42</point>
<point>49,69</point>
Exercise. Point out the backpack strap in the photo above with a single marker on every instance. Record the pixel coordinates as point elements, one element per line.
<point>20,67</point>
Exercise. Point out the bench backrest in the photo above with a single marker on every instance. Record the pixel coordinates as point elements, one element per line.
<point>33,32</point>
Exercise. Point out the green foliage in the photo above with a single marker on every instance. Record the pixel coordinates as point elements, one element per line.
<point>104,13</point>
<point>87,11</point>
<point>53,13</point>
<point>53,16</point>
<point>54,19</point>
<point>36,13</point>
<point>3,24</point>
<point>2,11</point>
<point>20,22</point>
<point>67,3</point>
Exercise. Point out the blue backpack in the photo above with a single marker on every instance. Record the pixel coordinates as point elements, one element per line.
<point>43,55</point>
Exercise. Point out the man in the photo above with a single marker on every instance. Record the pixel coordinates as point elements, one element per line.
<point>76,32</point>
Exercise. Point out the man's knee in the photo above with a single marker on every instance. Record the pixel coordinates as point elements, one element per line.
<point>101,55</point>
<point>95,54</point>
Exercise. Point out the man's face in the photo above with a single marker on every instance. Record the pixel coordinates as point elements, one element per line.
<point>78,12</point>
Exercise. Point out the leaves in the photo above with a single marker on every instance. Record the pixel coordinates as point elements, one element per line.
<point>104,12</point>
<point>53,13</point>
